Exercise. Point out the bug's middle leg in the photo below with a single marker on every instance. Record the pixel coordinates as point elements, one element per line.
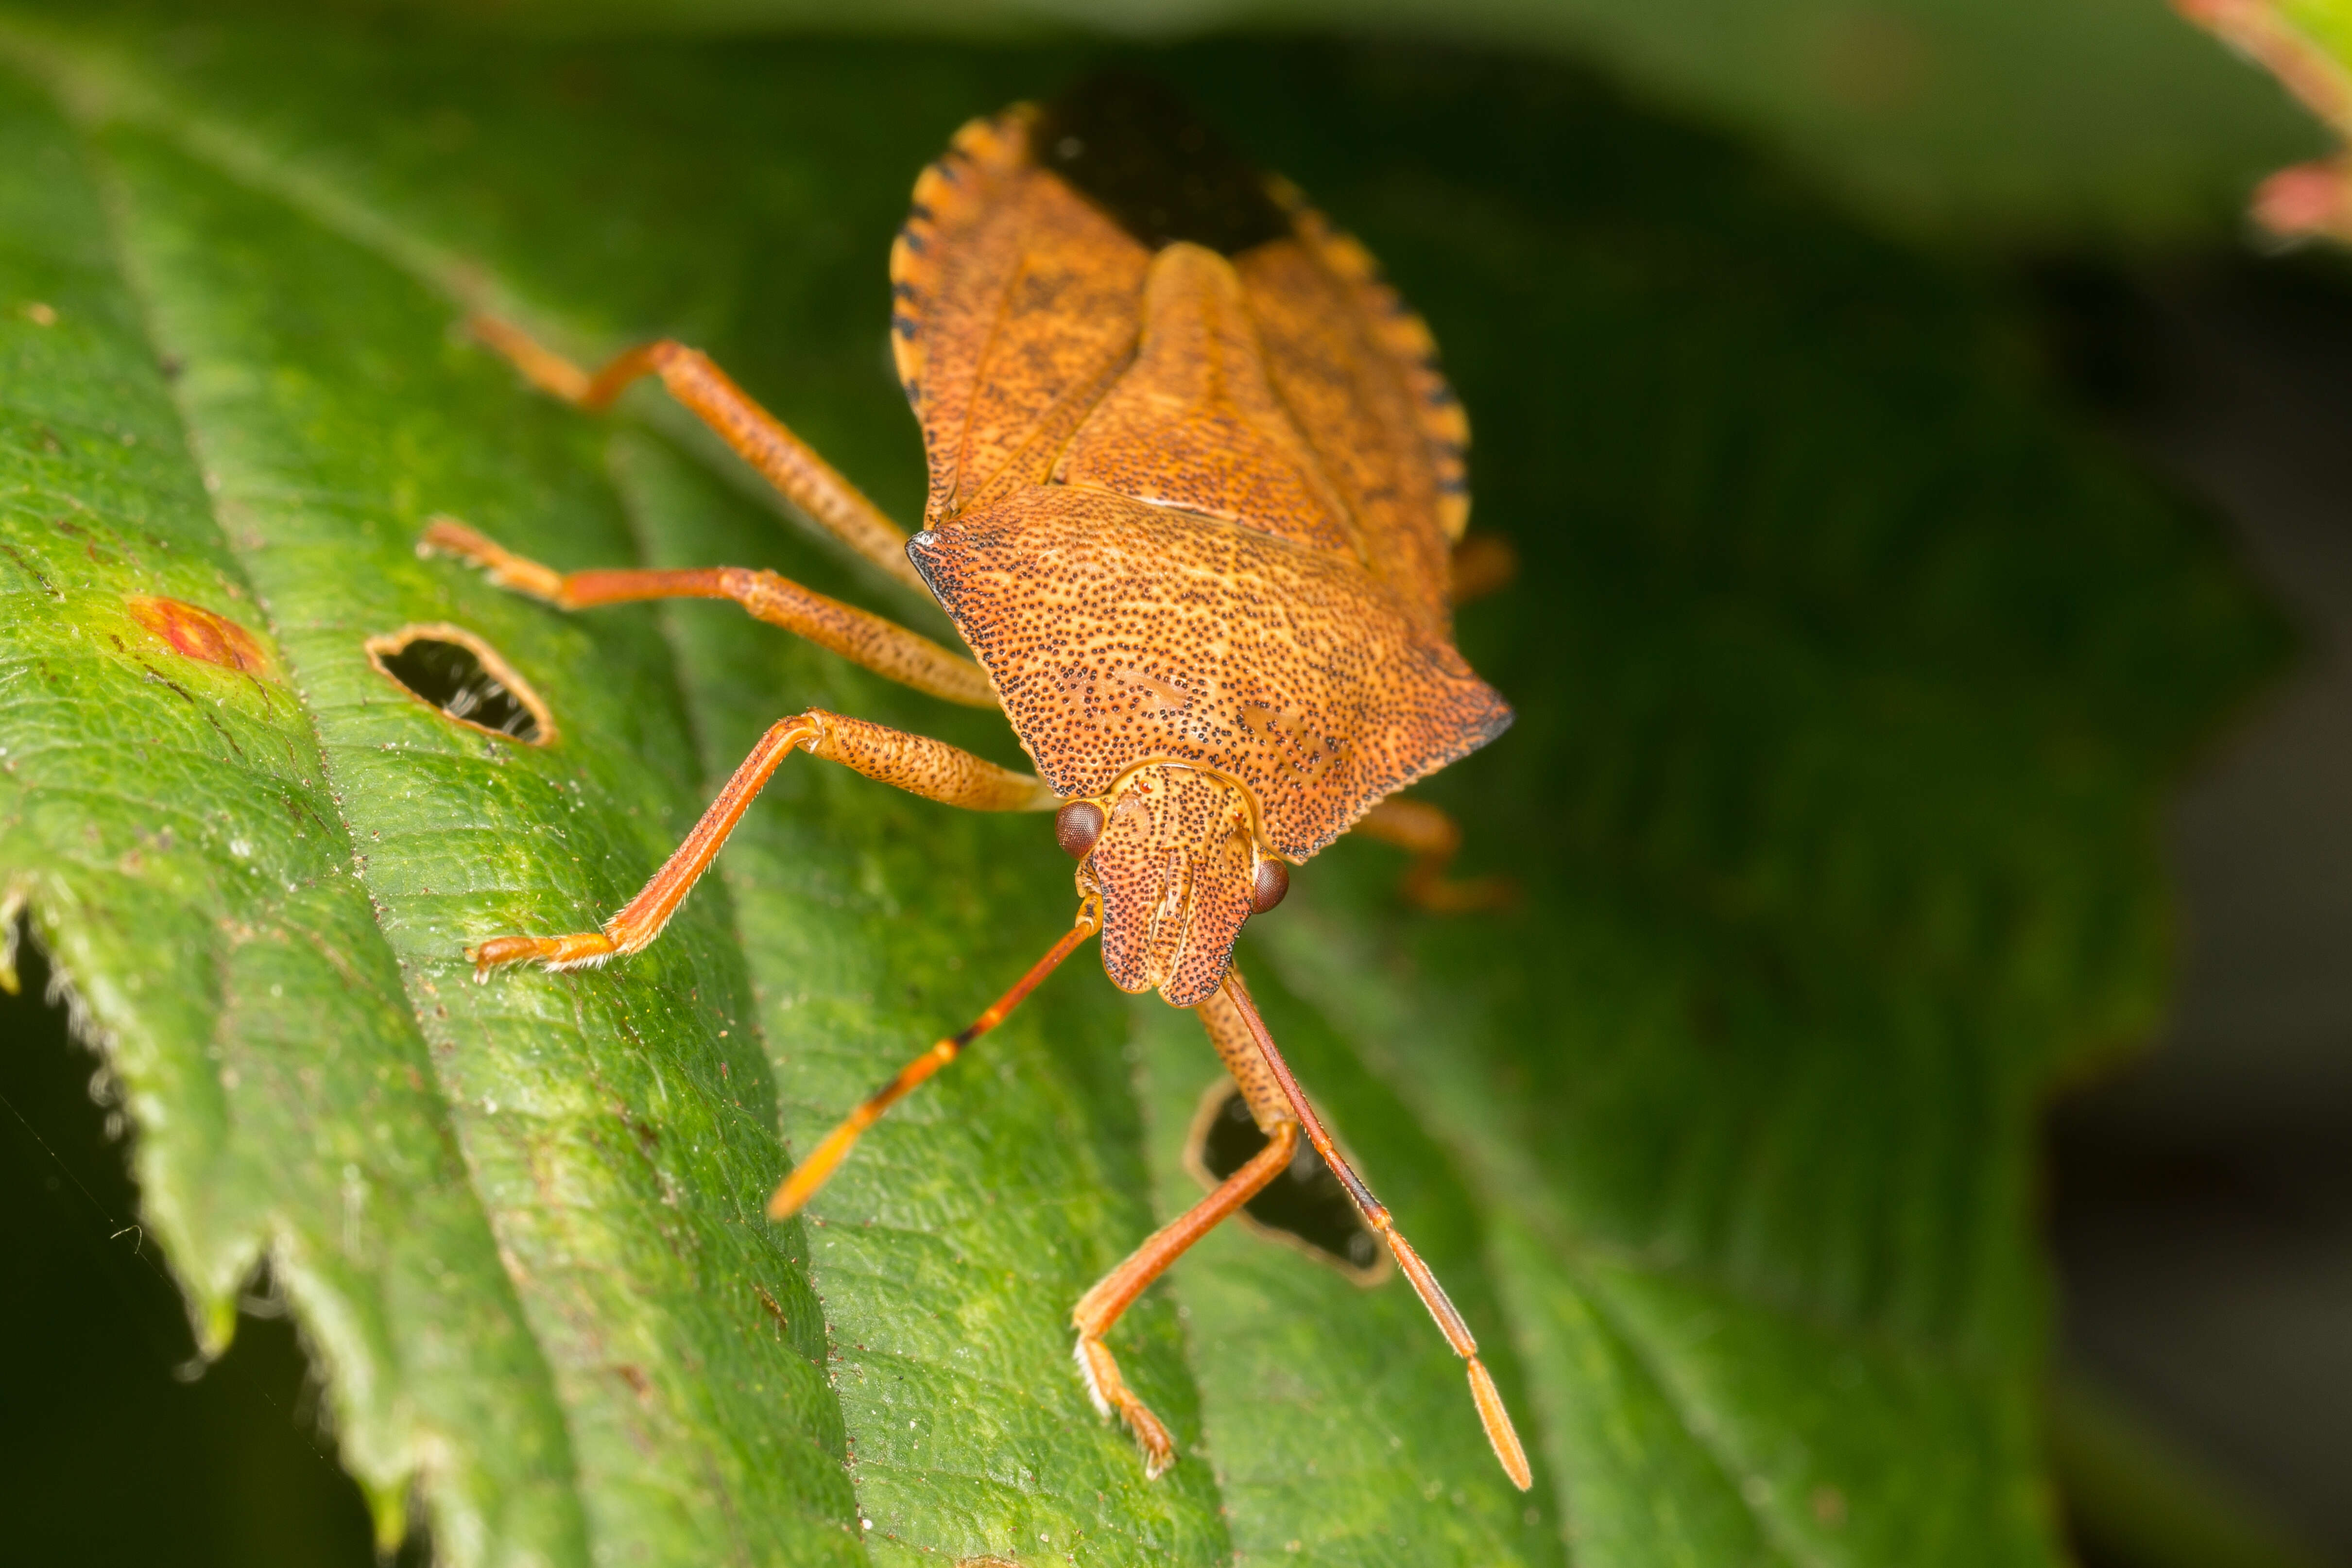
<point>916,763</point>
<point>1100,1307</point>
<point>881,646</point>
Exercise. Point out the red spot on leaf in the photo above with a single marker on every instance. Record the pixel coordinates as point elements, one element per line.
<point>199,634</point>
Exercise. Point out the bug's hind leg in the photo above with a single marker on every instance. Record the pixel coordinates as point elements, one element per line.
<point>1434,839</point>
<point>813,485</point>
<point>883,646</point>
<point>1482,564</point>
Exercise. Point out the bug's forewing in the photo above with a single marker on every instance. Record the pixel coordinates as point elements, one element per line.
<point>1021,305</point>
<point>1356,372</point>
<point>1015,306</point>
<point>1195,422</point>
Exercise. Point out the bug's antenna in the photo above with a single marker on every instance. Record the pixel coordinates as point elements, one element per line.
<point>1497,1420</point>
<point>812,1173</point>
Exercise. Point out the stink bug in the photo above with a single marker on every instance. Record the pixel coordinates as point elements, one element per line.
<point>1196,487</point>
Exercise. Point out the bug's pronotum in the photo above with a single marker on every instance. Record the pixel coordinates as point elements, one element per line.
<point>1196,490</point>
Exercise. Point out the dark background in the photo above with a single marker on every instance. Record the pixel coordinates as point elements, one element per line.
<point>2202,1199</point>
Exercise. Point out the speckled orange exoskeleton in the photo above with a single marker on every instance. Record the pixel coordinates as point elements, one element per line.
<point>1196,494</point>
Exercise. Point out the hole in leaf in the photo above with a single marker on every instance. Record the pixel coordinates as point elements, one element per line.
<point>1304,1208</point>
<point>449,668</point>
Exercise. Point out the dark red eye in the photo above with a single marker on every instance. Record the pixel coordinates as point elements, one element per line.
<point>1077,827</point>
<point>1272,883</point>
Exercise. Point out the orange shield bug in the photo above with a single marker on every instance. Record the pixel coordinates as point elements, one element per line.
<point>1196,490</point>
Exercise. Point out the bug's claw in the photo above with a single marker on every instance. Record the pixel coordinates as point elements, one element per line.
<point>1158,1447</point>
<point>555,951</point>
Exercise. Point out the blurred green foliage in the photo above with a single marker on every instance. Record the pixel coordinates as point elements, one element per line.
<point>2327,23</point>
<point>2020,121</point>
<point>1850,671</point>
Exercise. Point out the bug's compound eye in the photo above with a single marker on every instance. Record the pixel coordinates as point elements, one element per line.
<point>1270,887</point>
<point>1077,827</point>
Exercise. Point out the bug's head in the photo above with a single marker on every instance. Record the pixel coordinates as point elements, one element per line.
<point>1171,851</point>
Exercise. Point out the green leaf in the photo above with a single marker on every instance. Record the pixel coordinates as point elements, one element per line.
<point>1848,672</point>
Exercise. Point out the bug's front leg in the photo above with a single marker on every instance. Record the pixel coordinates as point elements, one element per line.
<point>1100,1307</point>
<point>916,763</point>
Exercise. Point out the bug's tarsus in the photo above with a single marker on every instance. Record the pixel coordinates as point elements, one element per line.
<point>810,1174</point>
<point>447,536</point>
<point>1491,1414</point>
<point>560,378</point>
<point>543,367</point>
<point>916,763</point>
<point>642,918</point>
<point>1109,1393</point>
